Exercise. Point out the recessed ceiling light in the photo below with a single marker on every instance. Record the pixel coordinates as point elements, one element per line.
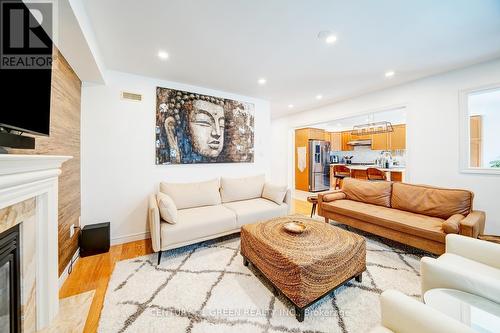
<point>262,81</point>
<point>327,36</point>
<point>319,96</point>
<point>290,106</point>
<point>389,74</point>
<point>162,55</point>
<point>331,39</point>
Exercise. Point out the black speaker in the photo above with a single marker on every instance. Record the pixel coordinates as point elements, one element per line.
<point>94,239</point>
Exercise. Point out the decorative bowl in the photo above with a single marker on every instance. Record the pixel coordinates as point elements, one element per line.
<point>295,227</point>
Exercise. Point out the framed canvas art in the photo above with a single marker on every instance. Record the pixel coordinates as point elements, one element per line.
<point>195,128</point>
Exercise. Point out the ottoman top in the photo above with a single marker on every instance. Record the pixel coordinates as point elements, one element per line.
<point>319,242</point>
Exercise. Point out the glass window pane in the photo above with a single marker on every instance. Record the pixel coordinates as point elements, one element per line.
<point>484,129</point>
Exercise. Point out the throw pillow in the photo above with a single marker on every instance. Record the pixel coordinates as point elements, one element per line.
<point>166,205</point>
<point>274,193</point>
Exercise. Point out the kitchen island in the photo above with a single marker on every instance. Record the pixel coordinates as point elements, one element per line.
<point>395,174</point>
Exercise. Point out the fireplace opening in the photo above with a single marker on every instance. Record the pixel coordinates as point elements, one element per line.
<point>10,281</point>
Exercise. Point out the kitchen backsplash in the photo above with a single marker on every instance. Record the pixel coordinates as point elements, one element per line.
<point>363,154</point>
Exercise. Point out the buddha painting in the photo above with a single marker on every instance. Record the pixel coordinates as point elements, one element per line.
<point>194,128</point>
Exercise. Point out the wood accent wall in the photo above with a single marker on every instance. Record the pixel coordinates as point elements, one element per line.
<point>64,139</point>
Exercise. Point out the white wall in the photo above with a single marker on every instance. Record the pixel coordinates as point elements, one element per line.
<point>432,155</point>
<point>118,152</point>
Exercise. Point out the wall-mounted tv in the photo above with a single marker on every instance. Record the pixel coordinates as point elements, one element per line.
<point>26,87</point>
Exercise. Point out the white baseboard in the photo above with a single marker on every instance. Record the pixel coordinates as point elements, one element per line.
<point>65,274</point>
<point>130,238</point>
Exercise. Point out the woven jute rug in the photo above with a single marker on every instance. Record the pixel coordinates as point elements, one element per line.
<point>206,288</point>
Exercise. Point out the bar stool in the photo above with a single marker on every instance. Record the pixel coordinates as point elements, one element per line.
<point>339,173</point>
<point>314,200</point>
<point>375,174</point>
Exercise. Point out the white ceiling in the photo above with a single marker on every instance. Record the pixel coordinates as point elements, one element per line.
<point>230,44</point>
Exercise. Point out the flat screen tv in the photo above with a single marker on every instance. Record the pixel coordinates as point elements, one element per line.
<point>25,92</point>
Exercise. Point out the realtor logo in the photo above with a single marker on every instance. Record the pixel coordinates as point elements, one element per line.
<point>26,34</point>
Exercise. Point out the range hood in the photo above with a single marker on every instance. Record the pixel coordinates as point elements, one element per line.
<point>360,143</point>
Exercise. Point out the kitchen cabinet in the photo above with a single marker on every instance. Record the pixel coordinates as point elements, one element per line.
<point>316,134</point>
<point>335,141</point>
<point>380,141</point>
<point>302,137</point>
<point>361,137</point>
<point>398,137</point>
<point>395,140</point>
<point>346,137</point>
<point>397,176</point>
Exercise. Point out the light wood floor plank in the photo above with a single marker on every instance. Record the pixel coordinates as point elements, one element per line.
<point>93,273</point>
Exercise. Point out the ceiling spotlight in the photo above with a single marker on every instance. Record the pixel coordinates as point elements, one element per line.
<point>262,81</point>
<point>290,106</point>
<point>162,55</point>
<point>331,39</point>
<point>327,36</point>
<point>319,96</point>
<point>389,74</point>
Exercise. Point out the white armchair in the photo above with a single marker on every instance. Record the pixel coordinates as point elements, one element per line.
<point>470,265</point>
<point>403,314</point>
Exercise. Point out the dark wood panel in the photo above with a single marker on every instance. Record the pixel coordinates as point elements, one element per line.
<point>64,139</point>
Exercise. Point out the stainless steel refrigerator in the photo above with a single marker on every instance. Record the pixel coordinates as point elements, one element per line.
<point>319,165</point>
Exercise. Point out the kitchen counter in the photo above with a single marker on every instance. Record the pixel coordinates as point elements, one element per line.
<point>396,173</point>
<point>364,167</point>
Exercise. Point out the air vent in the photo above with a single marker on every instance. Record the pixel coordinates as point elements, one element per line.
<point>131,96</point>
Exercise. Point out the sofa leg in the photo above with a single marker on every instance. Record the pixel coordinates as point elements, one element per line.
<point>159,257</point>
<point>359,278</point>
<point>327,220</point>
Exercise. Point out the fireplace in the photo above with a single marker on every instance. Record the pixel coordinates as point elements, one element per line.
<point>10,281</point>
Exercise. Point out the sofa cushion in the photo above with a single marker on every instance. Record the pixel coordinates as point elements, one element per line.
<point>255,210</point>
<point>168,210</point>
<point>411,223</point>
<point>274,193</point>
<point>431,201</point>
<point>196,223</point>
<point>236,189</point>
<point>469,265</point>
<point>376,193</point>
<point>189,195</point>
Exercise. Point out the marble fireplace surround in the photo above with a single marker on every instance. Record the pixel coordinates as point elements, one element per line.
<point>35,177</point>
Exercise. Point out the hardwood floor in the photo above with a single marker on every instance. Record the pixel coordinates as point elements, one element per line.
<point>93,273</point>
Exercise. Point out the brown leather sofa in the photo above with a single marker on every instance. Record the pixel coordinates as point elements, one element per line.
<point>417,215</point>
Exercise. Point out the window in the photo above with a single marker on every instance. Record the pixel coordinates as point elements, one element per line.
<point>480,130</point>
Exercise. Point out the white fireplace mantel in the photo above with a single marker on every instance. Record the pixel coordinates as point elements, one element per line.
<point>36,176</point>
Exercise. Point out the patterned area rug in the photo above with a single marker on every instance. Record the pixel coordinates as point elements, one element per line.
<point>205,288</point>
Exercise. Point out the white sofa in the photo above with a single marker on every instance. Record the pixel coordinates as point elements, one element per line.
<point>210,209</point>
<point>470,265</point>
<point>403,314</point>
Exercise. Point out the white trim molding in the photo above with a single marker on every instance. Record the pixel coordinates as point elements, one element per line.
<point>130,238</point>
<point>36,176</point>
<point>464,131</point>
<point>64,275</point>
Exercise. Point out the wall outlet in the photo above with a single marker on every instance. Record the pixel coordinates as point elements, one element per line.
<point>71,230</point>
